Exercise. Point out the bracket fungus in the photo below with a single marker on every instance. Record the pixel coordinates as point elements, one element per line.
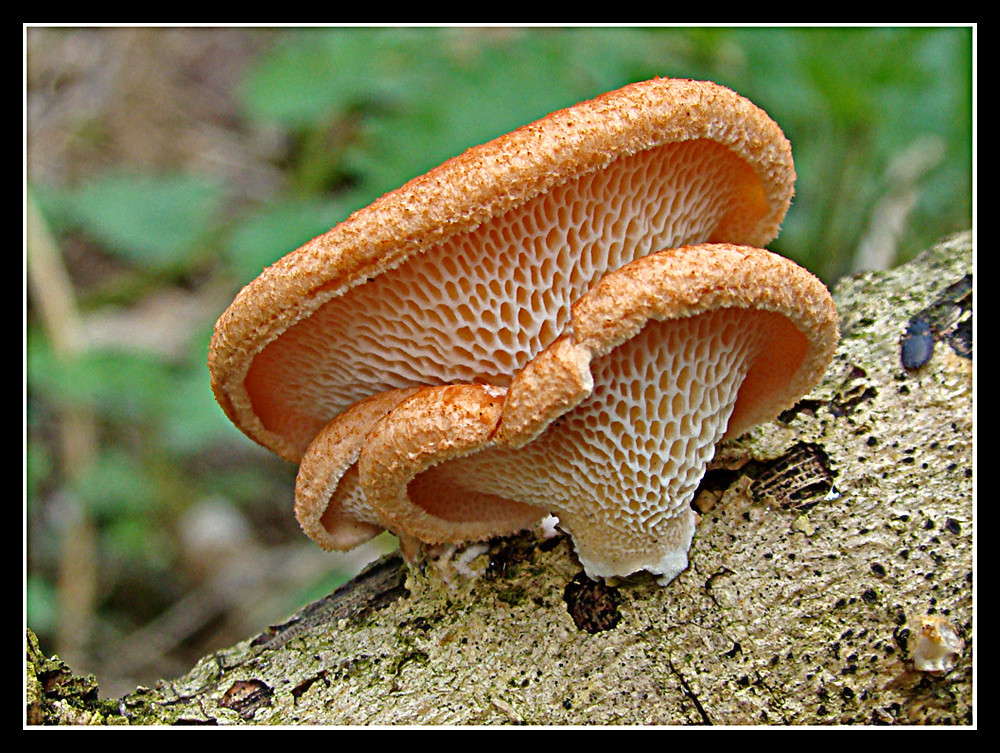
<point>612,426</point>
<point>564,320</point>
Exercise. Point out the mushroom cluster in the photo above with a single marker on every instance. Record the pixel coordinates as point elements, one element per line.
<point>563,321</point>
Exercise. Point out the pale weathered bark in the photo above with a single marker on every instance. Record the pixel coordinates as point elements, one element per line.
<point>822,536</point>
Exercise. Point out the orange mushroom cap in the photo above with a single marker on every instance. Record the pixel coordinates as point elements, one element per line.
<point>467,273</point>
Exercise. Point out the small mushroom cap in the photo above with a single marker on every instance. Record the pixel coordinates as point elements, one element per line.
<point>400,457</point>
<point>465,274</point>
<point>329,503</point>
<point>612,426</point>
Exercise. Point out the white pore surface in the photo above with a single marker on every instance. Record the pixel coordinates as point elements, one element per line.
<point>621,468</point>
<point>479,306</point>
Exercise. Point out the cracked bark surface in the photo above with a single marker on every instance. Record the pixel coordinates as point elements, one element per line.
<point>823,535</point>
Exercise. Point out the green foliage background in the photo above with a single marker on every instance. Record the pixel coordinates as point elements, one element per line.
<point>351,113</point>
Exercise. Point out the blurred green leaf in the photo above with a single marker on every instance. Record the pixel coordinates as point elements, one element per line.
<point>155,221</point>
<point>854,102</point>
<point>417,97</point>
<point>141,543</point>
<point>316,74</point>
<point>40,603</point>
<point>851,99</point>
<point>466,102</point>
<point>266,235</point>
<point>119,484</point>
<point>193,422</point>
<point>123,386</point>
<point>39,464</point>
